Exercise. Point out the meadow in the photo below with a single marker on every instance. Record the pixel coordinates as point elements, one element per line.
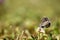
<point>18,16</point>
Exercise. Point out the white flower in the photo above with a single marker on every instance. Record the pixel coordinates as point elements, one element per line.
<point>40,30</point>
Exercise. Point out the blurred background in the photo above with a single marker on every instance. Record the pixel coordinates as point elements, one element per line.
<point>17,14</point>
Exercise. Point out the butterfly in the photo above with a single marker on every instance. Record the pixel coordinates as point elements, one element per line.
<point>45,23</point>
